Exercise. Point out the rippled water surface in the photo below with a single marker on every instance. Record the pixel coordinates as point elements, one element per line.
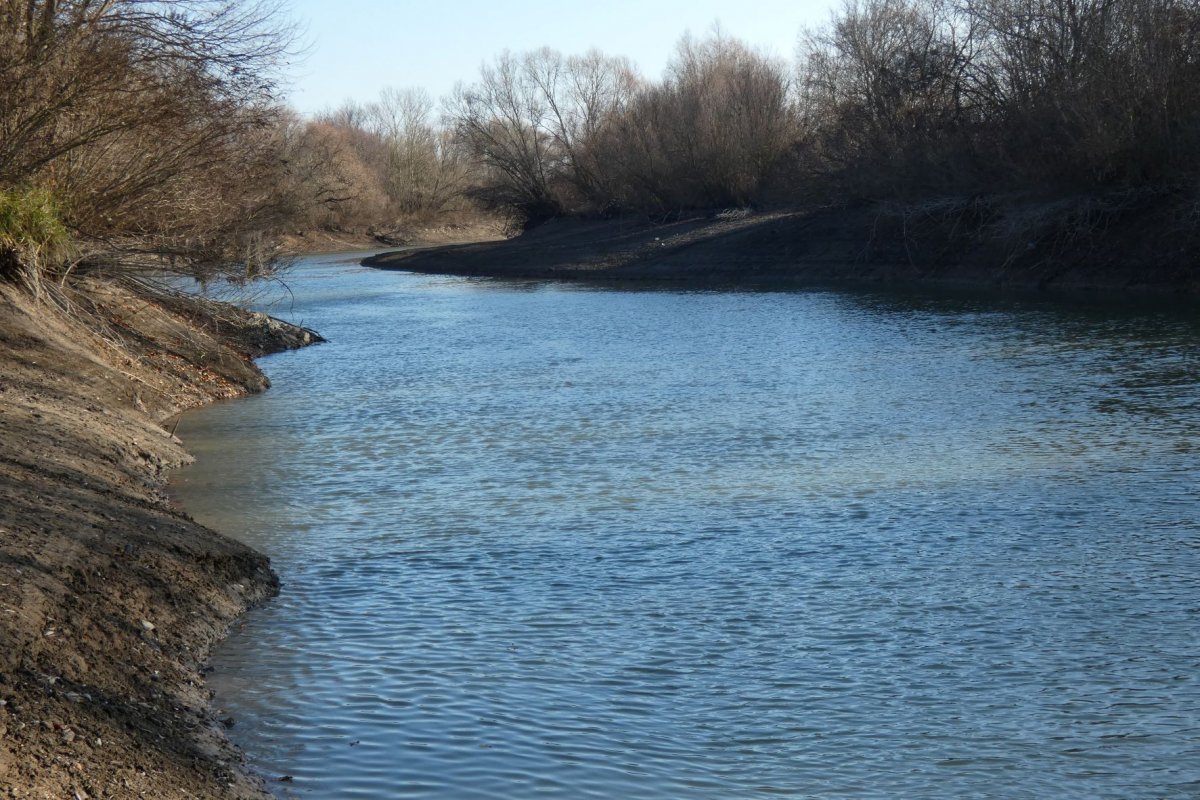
<point>553,541</point>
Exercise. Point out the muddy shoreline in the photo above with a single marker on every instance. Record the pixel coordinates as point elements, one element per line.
<point>110,600</point>
<point>828,246</point>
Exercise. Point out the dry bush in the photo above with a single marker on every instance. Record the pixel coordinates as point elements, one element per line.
<point>146,121</point>
<point>326,184</point>
<point>711,133</point>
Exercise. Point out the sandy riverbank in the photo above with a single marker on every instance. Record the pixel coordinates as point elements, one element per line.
<point>835,245</point>
<point>109,599</point>
<point>317,241</point>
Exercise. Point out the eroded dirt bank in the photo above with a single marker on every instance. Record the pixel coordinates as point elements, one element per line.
<point>957,247</point>
<point>109,599</point>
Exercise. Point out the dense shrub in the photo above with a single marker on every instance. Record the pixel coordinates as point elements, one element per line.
<point>913,97</point>
<point>33,238</point>
<point>150,123</point>
<point>710,134</point>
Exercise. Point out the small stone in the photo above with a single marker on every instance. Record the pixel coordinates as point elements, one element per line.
<point>147,625</point>
<point>68,735</point>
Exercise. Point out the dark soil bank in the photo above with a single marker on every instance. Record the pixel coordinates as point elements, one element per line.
<point>109,599</point>
<point>954,245</point>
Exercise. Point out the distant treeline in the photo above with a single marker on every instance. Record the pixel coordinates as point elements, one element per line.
<point>910,101</point>
<point>139,132</point>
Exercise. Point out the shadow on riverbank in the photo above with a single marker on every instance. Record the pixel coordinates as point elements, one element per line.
<point>860,245</point>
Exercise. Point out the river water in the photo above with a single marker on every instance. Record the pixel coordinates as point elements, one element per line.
<point>545,540</point>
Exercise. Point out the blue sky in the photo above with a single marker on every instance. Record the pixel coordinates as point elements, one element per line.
<point>360,46</point>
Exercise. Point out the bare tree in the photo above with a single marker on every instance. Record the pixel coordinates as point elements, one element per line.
<point>503,122</point>
<point>584,96</point>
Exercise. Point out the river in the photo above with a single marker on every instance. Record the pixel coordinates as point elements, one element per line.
<point>553,540</point>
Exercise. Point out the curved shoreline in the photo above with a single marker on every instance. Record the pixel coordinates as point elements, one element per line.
<point>110,600</point>
<point>861,246</point>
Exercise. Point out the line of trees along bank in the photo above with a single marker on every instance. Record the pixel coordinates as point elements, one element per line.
<point>905,97</point>
<point>1030,116</point>
<point>893,99</point>
<point>132,128</point>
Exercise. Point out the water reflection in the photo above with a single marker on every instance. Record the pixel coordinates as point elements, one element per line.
<point>592,543</point>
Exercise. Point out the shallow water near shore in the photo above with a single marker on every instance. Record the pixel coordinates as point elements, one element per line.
<point>552,540</point>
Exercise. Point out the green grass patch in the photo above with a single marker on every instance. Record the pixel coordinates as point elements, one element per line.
<point>34,239</point>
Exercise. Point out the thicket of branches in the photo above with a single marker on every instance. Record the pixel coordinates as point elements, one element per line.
<point>905,97</point>
<point>380,163</point>
<point>137,128</point>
